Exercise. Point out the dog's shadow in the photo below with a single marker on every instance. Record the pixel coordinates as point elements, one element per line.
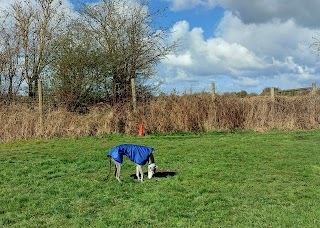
<point>157,174</point>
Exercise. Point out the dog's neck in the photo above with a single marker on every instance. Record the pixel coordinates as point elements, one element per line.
<point>151,159</point>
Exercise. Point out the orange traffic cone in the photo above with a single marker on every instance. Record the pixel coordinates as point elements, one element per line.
<point>141,128</point>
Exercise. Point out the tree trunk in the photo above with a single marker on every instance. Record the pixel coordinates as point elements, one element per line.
<point>30,89</point>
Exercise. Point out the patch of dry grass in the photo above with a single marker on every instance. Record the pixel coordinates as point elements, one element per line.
<point>172,113</point>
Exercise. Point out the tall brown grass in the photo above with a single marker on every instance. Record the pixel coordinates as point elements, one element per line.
<point>171,113</point>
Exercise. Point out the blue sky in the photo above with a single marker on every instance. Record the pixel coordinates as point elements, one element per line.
<point>239,45</point>
<point>197,17</point>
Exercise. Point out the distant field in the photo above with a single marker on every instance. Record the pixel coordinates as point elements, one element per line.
<point>237,179</point>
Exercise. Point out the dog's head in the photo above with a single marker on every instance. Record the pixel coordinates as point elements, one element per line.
<point>151,170</point>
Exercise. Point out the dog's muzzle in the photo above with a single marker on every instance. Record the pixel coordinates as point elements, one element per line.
<point>151,170</point>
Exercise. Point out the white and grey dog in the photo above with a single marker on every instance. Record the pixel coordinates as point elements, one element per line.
<point>137,154</point>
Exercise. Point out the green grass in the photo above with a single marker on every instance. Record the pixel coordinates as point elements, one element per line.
<point>237,179</point>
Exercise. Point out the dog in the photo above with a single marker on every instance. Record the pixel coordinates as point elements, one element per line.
<point>138,154</point>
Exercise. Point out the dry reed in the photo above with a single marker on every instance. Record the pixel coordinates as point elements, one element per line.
<point>172,113</point>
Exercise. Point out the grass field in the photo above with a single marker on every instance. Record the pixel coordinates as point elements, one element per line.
<point>237,179</point>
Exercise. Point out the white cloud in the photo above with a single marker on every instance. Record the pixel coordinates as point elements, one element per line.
<point>185,4</point>
<point>255,56</point>
<point>247,82</point>
<point>275,38</point>
<point>212,56</point>
<point>183,59</point>
<point>305,13</point>
<point>4,4</point>
<point>282,44</point>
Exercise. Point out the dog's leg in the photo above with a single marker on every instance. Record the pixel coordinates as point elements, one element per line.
<point>139,171</point>
<point>117,172</point>
<point>117,169</point>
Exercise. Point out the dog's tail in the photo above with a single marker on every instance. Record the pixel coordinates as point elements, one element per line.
<point>109,168</point>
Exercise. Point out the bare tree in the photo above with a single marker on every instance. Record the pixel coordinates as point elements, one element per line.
<point>35,23</point>
<point>10,80</point>
<point>2,65</point>
<point>128,34</point>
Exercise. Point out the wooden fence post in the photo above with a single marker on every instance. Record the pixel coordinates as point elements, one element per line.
<point>272,93</point>
<point>313,104</point>
<point>40,94</point>
<point>213,90</point>
<point>314,87</point>
<point>134,99</point>
<point>272,111</point>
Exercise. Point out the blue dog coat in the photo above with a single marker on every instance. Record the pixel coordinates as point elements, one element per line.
<point>136,153</point>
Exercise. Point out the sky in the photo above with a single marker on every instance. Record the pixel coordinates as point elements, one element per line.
<point>239,45</point>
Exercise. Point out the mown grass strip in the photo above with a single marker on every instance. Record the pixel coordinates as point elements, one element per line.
<point>222,179</point>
